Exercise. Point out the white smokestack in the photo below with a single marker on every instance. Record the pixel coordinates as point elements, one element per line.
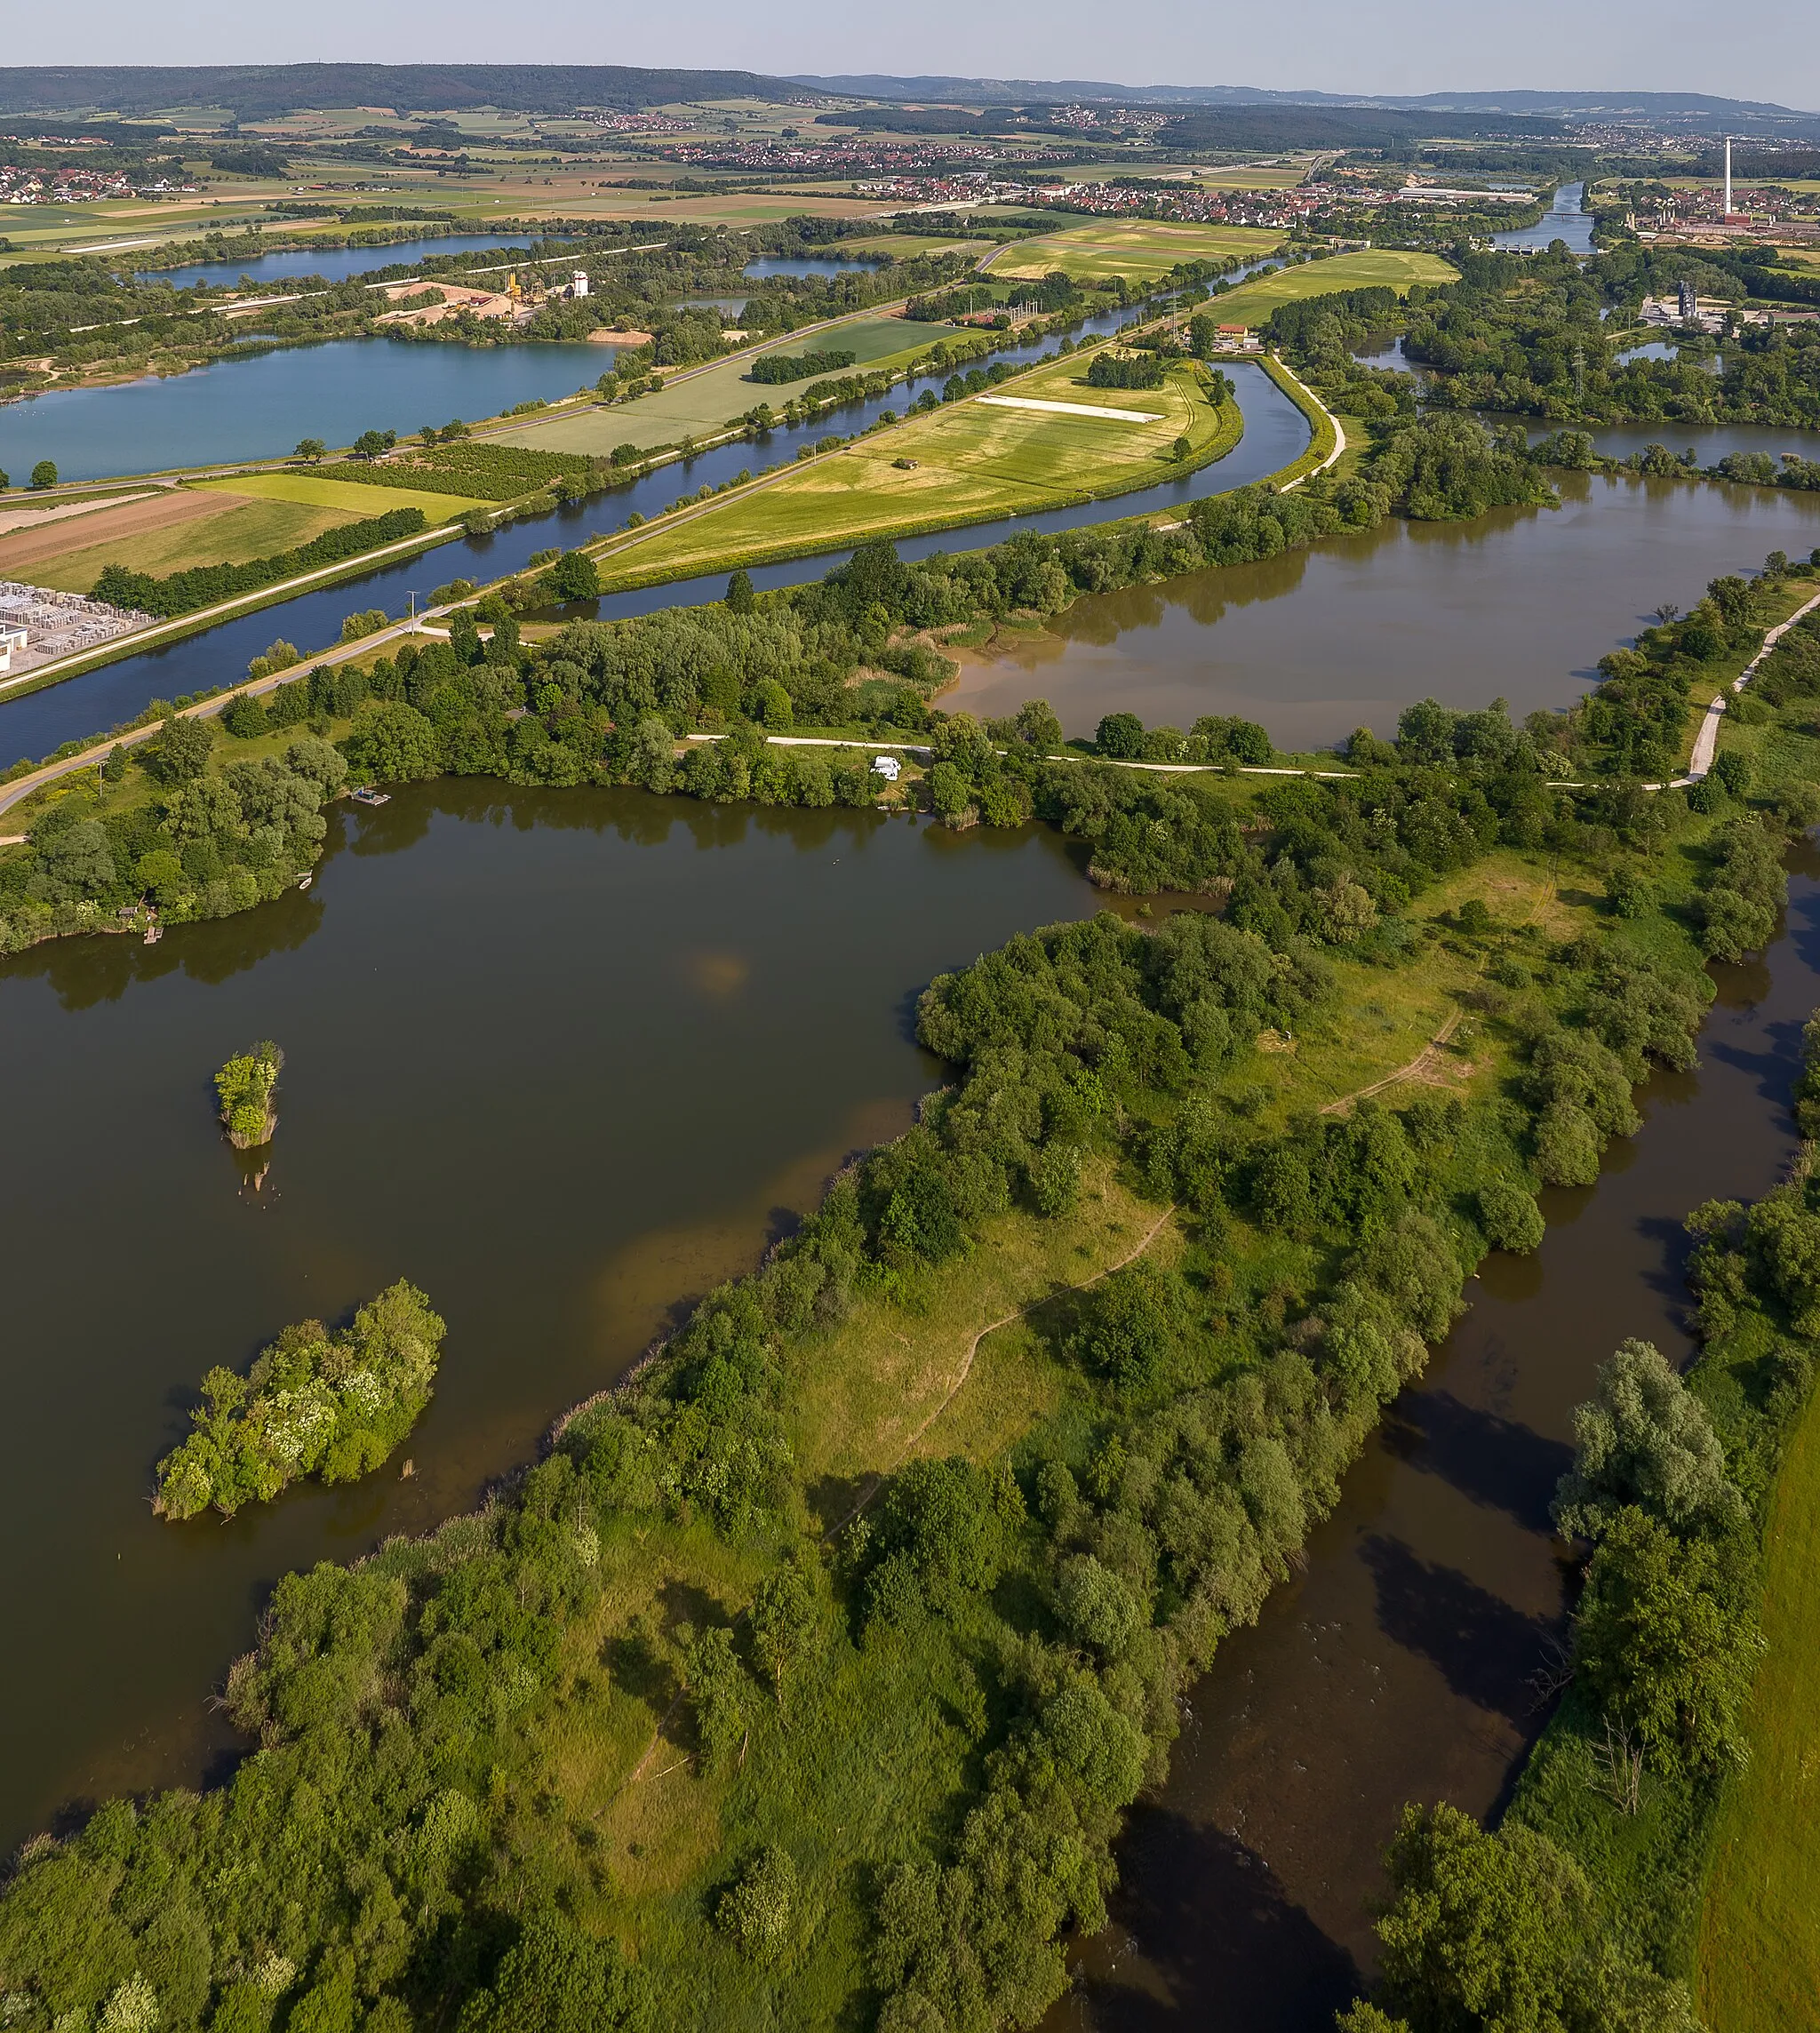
<point>1728,176</point>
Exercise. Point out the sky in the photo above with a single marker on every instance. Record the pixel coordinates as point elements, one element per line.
<point>1767,50</point>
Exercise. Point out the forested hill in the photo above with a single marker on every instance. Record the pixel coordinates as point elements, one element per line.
<point>1337,126</point>
<point>258,90</point>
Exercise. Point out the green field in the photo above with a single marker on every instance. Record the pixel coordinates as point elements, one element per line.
<point>1243,177</point>
<point>1760,1927</point>
<point>1129,247</point>
<point>905,245</point>
<point>260,529</point>
<point>324,491</point>
<point>973,461</point>
<point>701,399</point>
<point>1251,303</point>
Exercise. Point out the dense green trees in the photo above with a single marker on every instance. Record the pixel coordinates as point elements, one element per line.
<point>773,367</point>
<point>1503,1932</point>
<point>1112,369</point>
<point>332,1405</point>
<point>205,844</point>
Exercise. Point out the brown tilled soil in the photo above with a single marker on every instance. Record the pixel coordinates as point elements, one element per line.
<point>26,547</point>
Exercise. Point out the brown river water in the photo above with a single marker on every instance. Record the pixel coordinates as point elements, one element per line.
<point>1398,1664</point>
<point>1518,604</point>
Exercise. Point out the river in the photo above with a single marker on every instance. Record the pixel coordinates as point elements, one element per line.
<point>517,1025</point>
<point>1397,1666</point>
<point>1565,220</point>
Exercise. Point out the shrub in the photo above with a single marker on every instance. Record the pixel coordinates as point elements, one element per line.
<point>1510,1217</point>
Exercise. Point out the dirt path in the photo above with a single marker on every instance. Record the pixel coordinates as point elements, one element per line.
<point>992,1326</point>
<point>877,1482</point>
<point>1425,1067</point>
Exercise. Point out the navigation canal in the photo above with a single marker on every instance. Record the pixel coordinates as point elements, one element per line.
<point>1275,434</point>
<point>1397,1665</point>
<point>563,1058</point>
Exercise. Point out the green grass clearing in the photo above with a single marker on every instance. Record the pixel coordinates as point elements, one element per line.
<point>1251,303</point>
<point>701,401</point>
<point>1130,247</point>
<point>973,460</point>
<point>258,530</point>
<point>320,490</point>
<point>1760,1926</point>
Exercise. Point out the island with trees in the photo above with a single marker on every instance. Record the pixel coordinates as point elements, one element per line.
<point>247,1086</point>
<point>332,1404</point>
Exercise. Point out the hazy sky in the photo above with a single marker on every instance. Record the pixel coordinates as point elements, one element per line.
<point>1769,50</point>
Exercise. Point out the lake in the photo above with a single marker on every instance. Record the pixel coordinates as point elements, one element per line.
<point>333,264</point>
<point>563,1058</point>
<point>1397,1665</point>
<point>1518,604</point>
<point>805,264</point>
<point>261,406</point>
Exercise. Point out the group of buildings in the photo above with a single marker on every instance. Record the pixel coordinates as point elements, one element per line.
<point>22,185</point>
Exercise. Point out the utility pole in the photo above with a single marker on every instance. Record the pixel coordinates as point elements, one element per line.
<point>1579,374</point>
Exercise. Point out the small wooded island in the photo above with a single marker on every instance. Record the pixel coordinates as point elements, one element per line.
<point>333,1405</point>
<point>247,1085</point>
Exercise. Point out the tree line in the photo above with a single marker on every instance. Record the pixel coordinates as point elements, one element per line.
<point>202,585</point>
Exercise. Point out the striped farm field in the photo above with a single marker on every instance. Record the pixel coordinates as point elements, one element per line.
<point>322,490</point>
<point>1133,248</point>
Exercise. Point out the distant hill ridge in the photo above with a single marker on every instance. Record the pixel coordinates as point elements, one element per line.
<point>261,90</point>
<point>258,91</point>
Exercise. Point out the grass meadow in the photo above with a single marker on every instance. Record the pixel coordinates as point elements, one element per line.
<point>1132,248</point>
<point>1760,1928</point>
<point>971,461</point>
<point>695,403</point>
<point>1251,303</point>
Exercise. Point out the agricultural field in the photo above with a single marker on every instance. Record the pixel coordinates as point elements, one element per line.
<point>906,246</point>
<point>1132,248</point>
<point>967,461</point>
<point>1251,303</point>
<point>702,399</point>
<point>1760,1927</point>
<point>1247,176</point>
<point>325,490</point>
<point>169,533</point>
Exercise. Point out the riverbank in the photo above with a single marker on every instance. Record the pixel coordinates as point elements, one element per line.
<point>849,1416</point>
<point>1759,1954</point>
